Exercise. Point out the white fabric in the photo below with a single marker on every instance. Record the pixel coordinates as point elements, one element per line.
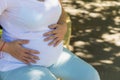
<point>29,19</point>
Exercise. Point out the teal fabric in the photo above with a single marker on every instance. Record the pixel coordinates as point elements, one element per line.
<point>68,67</point>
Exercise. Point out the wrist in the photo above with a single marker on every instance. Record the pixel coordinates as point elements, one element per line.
<point>62,22</point>
<point>5,47</point>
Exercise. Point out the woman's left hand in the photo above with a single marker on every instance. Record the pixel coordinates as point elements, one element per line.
<point>56,34</point>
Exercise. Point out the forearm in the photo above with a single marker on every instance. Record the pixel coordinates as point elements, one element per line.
<point>1,44</point>
<point>63,16</point>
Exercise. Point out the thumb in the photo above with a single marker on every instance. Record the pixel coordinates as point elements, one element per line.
<point>53,26</point>
<point>22,41</point>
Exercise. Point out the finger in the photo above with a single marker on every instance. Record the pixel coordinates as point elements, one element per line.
<point>58,42</point>
<point>49,33</point>
<point>55,41</point>
<point>33,51</point>
<point>29,60</point>
<point>36,57</point>
<point>32,56</point>
<point>52,42</point>
<point>53,26</point>
<point>24,61</point>
<point>22,41</point>
<point>49,38</point>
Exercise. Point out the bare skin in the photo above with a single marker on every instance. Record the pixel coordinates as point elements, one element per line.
<point>58,30</point>
<point>27,56</point>
<point>15,49</point>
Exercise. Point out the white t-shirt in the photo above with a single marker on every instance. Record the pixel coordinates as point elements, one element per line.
<point>28,20</point>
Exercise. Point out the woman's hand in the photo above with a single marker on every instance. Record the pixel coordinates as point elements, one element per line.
<point>15,49</point>
<point>57,34</point>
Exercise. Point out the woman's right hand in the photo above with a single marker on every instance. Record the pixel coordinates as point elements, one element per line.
<point>16,49</point>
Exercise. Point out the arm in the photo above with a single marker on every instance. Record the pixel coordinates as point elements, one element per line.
<point>58,30</point>
<point>15,49</point>
<point>3,7</point>
<point>62,19</point>
<point>1,45</point>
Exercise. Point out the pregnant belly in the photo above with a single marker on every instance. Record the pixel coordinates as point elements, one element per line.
<point>48,54</point>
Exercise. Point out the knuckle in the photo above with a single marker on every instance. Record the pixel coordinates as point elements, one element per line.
<point>24,50</point>
<point>31,56</point>
<point>29,51</point>
<point>26,55</point>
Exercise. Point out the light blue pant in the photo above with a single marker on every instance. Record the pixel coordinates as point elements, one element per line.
<point>68,67</point>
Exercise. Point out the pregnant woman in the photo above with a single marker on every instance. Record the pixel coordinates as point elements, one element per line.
<point>31,47</point>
